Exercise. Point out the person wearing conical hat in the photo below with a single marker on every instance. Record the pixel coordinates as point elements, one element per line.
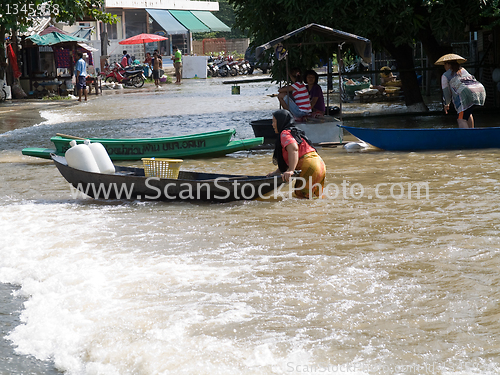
<point>463,100</point>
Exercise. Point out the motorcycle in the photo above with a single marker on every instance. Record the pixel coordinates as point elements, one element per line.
<point>128,76</point>
<point>243,67</point>
<point>232,66</point>
<point>223,68</point>
<point>212,68</point>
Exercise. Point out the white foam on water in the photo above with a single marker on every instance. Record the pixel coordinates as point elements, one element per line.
<point>182,288</point>
<point>99,305</point>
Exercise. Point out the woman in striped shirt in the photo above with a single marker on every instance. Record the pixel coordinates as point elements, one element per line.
<point>295,97</point>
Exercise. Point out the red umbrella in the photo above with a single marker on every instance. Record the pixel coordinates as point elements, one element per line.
<point>143,39</point>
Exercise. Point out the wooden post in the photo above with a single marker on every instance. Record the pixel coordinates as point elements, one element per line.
<point>340,63</point>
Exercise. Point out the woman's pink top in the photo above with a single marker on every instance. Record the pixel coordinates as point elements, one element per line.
<point>287,138</point>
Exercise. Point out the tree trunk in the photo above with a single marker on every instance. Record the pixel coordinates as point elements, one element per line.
<point>403,55</point>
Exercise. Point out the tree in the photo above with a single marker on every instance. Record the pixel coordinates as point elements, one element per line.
<point>392,25</point>
<point>226,15</point>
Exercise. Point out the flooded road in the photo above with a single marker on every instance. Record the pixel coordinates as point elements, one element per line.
<point>395,271</point>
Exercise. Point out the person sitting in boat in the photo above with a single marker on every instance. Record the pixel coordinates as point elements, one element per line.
<point>294,151</point>
<point>464,97</point>
<point>315,93</point>
<point>295,97</point>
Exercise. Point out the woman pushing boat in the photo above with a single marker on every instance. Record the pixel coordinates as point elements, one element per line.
<point>461,88</point>
<point>293,151</point>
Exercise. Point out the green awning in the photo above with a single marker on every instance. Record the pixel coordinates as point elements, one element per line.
<point>167,21</point>
<point>189,21</point>
<point>210,20</point>
<point>54,38</point>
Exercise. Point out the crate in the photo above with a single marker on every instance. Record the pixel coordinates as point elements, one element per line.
<point>162,168</point>
<point>351,89</point>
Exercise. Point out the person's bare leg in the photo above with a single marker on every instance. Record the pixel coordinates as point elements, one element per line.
<point>281,98</point>
<point>80,95</point>
<point>462,124</point>
<point>85,93</point>
<point>470,122</point>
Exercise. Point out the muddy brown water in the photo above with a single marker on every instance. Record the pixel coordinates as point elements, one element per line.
<point>370,281</point>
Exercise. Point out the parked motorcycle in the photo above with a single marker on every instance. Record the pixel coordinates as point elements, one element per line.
<point>243,67</point>
<point>223,68</point>
<point>212,68</point>
<point>129,77</point>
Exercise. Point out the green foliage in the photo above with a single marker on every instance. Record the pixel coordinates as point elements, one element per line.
<point>226,15</point>
<point>387,23</point>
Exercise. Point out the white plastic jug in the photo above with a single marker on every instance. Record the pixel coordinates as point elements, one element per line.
<point>101,157</point>
<point>80,157</point>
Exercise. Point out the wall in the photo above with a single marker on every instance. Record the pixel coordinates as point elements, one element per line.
<point>206,46</point>
<point>164,4</point>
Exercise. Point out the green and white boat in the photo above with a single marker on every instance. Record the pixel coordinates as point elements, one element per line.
<point>209,144</point>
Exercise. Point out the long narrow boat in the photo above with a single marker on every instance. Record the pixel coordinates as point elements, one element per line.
<point>428,139</point>
<point>318,130</point>
<point>210,144</point>
<point>129,183</point>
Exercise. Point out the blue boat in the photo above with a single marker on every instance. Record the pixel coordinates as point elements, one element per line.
<point>428,139</point>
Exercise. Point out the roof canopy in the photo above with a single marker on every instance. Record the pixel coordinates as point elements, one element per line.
<point>51,29</point>
<point>189,21</point>
<point>213,23</point>
<point>167,21</point>
<point>182,21</point>
<point>54,38</point>
<point>362,45</point>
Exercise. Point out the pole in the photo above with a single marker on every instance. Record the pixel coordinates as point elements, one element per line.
<point>329,84</point>
<point>340,64</point>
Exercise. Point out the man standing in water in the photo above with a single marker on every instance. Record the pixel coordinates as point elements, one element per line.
<point>177,57</point>
<point>81,76</point>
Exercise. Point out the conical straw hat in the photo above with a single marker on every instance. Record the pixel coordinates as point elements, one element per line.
<point>450,57</point>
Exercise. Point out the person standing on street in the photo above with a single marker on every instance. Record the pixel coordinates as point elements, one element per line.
<point>177,58</point>
<point>157,65</point>
<point>81,77</point>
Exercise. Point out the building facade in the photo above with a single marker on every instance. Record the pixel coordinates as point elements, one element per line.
<point>174,19</point>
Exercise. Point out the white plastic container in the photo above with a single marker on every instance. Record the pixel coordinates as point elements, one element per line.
<point>101,157</point>
<point>81,157</point>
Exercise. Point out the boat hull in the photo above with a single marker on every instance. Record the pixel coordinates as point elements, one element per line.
<point>166,147</point>
<point>318,130</point>
<point>428,139</point>
<point>129,183</point>
<point>233,146</point>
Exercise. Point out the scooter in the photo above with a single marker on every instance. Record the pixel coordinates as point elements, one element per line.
<point>233,66</point>
<point>223,68</point>
<point>129,77</point>
<point>212,68</point>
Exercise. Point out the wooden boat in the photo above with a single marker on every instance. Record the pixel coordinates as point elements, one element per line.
<point>318,130</point>
<point>210,144</point>
<point>428,139</point>
<point>129,183</point>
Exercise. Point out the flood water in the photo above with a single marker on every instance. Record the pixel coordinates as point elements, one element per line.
<point>377,278</point>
